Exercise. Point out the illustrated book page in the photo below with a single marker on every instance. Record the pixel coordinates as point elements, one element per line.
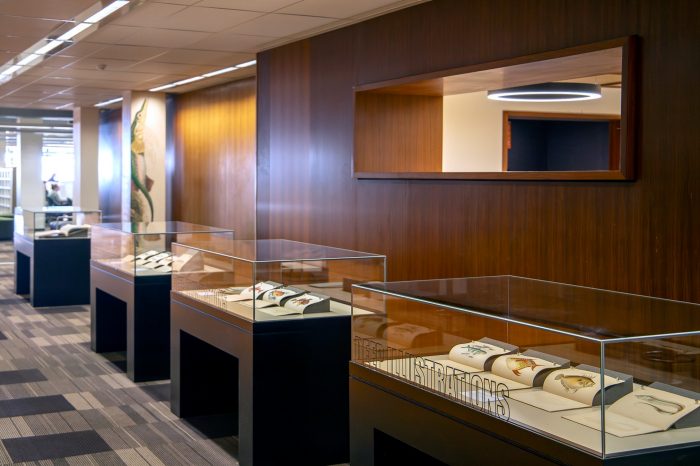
<point>306,303</point>
<point>643,411</point>
<point>65,230</point>
<point>565,389</point>
<point>253,292</point>
<point>475,353</point>
<point>274,298</point>
<point>521,368</point>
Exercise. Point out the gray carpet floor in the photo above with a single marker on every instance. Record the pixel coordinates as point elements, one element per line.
<point>61,403</point>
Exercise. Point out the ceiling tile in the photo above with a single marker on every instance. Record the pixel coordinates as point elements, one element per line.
<point>148,14</point>
<point>128,52</point>
<point>163,38</point>
<point>26,27</point>
<point>207,19</point>
<point>251,5</point>
<point>53,9</point>
<point>170,68</point>
<point>92,63</point>
<point>16,44</point>
<point>80,49</point>
<point>335,9</point>
<point>98,74</point>
<point>232,42</point>
<point>276,25</point>
<point>110,34</point>
<point>200,57</point>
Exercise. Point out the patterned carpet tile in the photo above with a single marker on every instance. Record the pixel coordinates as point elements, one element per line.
<point>63,404</point>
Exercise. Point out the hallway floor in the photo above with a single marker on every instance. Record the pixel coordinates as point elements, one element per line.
<point>61,403</point>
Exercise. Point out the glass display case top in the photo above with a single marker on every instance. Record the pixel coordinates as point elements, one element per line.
<point>609,373</point>
<point>588,313</point>
<point>169,227</point>
<point>275,279</point>
<point>55,222</point>
<point>142,249</point>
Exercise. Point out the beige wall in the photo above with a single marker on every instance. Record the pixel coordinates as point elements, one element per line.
<point>472,131</point>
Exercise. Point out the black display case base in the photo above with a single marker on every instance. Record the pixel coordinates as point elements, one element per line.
<point>392,422</point>
<point>132,313</point>
<point>284,383</point>
<point>53,272</point>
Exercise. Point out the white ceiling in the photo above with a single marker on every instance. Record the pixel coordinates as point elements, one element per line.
<point>155,42</point>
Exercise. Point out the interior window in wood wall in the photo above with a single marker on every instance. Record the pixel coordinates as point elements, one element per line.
<point>447,125</point>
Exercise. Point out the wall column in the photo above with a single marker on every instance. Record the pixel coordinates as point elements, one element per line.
<point>86,121</point>
<point>143,157</point>
<point>30,187</point>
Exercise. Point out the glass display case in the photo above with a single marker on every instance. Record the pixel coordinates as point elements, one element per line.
<point>146,248</point>
<point>57,222</point>
<point>274,279</point>
<point>608,373</point>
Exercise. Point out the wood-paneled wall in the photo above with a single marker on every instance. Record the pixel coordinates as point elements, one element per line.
<point>641,236</point>
<point>214,179</point>
<point>110,165</point>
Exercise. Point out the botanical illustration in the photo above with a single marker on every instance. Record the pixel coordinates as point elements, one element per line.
<point>141,183</point>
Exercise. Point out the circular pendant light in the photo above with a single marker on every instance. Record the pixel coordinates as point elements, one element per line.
<point>548,92</point>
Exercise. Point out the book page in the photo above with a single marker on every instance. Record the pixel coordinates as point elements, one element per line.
<point>541,399</point>
<point>576,384</point>
<point>615,424</point>
<point>300,303</point>
<point>520,368</point>
<point>475,353</point>
<point>277,295</point>
<point>256,290</point>
<point>403,335</point>
<point>655,407</point>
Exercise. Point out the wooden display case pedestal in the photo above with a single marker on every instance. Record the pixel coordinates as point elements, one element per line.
<point>393,422</point>
<point>285,381</point>
<point>131,312</point>
<point>53,272</point>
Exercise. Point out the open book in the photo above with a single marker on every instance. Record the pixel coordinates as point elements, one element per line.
<point>523,370</point>
<point>573,388</point>
<point>476,355</point>
<point>642,411</point>
<point>65,230</point>
<point>278,300</point>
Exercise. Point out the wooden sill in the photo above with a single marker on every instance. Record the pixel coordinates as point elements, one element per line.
<point>506,176</point>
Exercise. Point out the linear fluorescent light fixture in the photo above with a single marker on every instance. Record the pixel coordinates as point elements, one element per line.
<point>548,92</point>
<point>36,52</point>
<point>109,102</point>
<point>106,11</point>
<point>211,74</point>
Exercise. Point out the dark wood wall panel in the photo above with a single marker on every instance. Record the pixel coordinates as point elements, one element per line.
<point>214,182</point>
<point>382,122</point>
<point>110,165</point>
<point>641,236</point>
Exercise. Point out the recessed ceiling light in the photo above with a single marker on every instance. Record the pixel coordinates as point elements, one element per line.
<point>548,92</point>
<point>106,11</point>
<point>218,72</point>
<point>203,76</point>
<point>109,102</point>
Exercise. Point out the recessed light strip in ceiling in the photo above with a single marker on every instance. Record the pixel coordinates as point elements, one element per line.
<point>109,102</point>
<point>39,51</point>
<point>211,74</point>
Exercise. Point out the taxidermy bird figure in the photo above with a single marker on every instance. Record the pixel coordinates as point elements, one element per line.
<point>140,182</point>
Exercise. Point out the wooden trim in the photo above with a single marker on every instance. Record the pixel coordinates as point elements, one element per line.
<point>630,76</point>
<point>623,42</point>
<point>593,175</point>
